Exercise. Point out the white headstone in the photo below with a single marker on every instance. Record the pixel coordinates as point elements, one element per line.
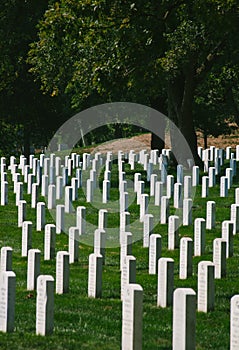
<point>219,257</point>
<point>227,235</point>
<point>128,273</point>
<point>41,213</point>
<point>59,187</point>
<point>35,188</point>
<point>170,186</point>
<point>95,276</point>
<point>211,215</point>
<point>132,317</point>
<point>62,272</point>
<point>223,186</point>
<point>187,211</point>
<point>80,219</point>
<point>99,243</point>
<point>6,259</point>
<point>73,244</point>
<point>45,305</point>
<point>235,217</point>
<point>4,193</point>
<point>206,288</point>
<point>186,257</point>
<point>234,323</point>
<point>199,236</point>
<point>68,199</point>
<point>184,319</point>
<point>148,221</point>
<point>33,268</point>
<point>187,185</point>
<point>158,193</point>
<point>125,246</point>
<point>195,176</point>
<point>7,301</point>
<point>49,241</point>
<point>164,210</point>
<point>22,208</point>
<point>60,218</point>
<point>155,248</point>
<point>165,282</point>
<point>26,237</point>
<point>178,198</point>
<point>205,185</point>
<point>173,232</point>
<point>153,180</point>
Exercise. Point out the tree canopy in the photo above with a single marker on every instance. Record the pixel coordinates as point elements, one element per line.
<point>179,57</point>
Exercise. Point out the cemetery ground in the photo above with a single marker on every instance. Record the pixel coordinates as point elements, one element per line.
<point>81,322</point>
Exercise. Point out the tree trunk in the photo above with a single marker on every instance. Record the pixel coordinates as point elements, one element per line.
<point>26,141</point>
<point>158,142</point>
<point>205,139</point>
<point>180,106</point>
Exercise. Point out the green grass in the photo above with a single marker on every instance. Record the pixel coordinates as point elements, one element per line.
<point>84,323</point>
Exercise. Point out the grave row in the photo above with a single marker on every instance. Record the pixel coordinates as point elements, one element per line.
<point>53,186</point>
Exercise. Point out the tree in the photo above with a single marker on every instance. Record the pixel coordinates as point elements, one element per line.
<point>21,101</point>
<point>156,53</point>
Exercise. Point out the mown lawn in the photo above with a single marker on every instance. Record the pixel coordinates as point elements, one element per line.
<point>83,323</point>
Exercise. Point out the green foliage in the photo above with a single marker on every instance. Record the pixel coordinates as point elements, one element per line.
<point>177,52</point>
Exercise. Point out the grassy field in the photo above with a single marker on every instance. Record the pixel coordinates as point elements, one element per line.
<point>84,323</point>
